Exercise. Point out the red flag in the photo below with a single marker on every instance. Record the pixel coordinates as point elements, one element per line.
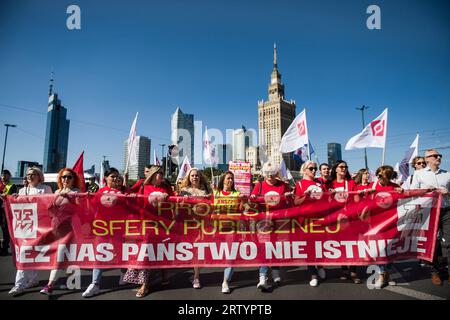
<point>78,168</point>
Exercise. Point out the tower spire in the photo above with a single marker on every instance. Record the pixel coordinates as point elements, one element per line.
<point>275,66</point>
<point>50,90</point>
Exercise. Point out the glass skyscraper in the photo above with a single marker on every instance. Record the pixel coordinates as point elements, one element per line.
<point>56,135</point>
<point>334,153</point>
<point>183,134</point>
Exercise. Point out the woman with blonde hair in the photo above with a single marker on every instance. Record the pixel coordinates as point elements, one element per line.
<point>34,185</point>
<point>195,184</point>
<point>307,191</point>
<point>273,190</point>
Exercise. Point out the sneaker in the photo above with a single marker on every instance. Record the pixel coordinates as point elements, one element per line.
<point>262,282</point>
<point>33,283</point>
<point>16,290</point>
<point>314,282</point>
<point>380,282</point>
<point>92,290</point>
<point>322,274</point>
<point>276,275</point>
<point>225,288</point>
<point>196,284</point>
<point>122,282</point>
<point>47,290</point>
<point>436,279</point>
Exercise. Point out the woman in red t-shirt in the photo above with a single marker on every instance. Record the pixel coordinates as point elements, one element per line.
<point>340,184</point>
<point>275,193</point>
<point>362,180</point>
<point>384,176</point>
<point>307,191</point>
<point>156,188</point>
<point>113,186</point>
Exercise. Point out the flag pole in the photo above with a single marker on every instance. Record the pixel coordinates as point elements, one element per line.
<point>307,135</point>
<point>210,164</point>
<point>309,152</point>
<point>385,138</point>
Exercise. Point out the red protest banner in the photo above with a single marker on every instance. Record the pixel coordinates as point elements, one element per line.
<point>112,231</point>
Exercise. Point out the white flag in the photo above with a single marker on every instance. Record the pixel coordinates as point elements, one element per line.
<point>156,161</point>
<point>184,169</point>
<point>132,145</point>
<point>285,173</point>
<point>102,175</point>
<point>373,135</point>
<point>209,153</point>
<point>412,152</point>
<point>296,135</point>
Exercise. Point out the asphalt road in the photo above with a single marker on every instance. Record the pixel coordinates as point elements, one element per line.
<point>413,283</point>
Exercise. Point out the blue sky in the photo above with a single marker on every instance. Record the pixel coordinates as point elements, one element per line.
<point>214,59</point>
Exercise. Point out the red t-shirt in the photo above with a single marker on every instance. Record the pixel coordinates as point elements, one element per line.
<point>341,188</point>
<point>272,194</point>
<point>107,189</point>
<point>137,186</point>
<point>378,187</point>
<point>360,187</point>
<point>304,184</point>
<point>150,189</point>
<point>346,185</point>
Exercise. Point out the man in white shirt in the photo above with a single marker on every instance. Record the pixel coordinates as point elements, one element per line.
<point>432,177</point>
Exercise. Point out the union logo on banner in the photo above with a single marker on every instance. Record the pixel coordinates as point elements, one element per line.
<point>377,128</point>
<point>414,214</point>
<point>301,128</point>
<point>25,220</point>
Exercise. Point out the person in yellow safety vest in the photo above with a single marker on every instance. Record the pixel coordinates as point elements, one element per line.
<point>8,188</point>
<point>227,200</point>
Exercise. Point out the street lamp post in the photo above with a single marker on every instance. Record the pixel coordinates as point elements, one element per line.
<point>6,139</point>
<point>364,125</point>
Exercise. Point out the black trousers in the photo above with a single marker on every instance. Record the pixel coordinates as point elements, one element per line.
<point>444,225</point>
<point>4,226</point>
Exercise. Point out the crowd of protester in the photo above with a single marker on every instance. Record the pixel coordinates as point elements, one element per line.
<point>315,179</point>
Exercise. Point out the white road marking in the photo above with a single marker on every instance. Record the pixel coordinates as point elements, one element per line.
<point>413,293</point>
<point>407,291</point>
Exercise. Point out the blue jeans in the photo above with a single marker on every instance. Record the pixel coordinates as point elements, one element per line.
<point>263,270</point>
<point>97,275</point>
<point>227,273</point>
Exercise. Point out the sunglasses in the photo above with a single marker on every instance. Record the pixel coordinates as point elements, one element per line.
<point>68,177</point>
<point>343,167</point>
<point>312,169</point>
<point>420,163</point>
<point>435,156</point>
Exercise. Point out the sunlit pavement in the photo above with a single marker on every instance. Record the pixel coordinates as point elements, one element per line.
<point>413,282</point>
